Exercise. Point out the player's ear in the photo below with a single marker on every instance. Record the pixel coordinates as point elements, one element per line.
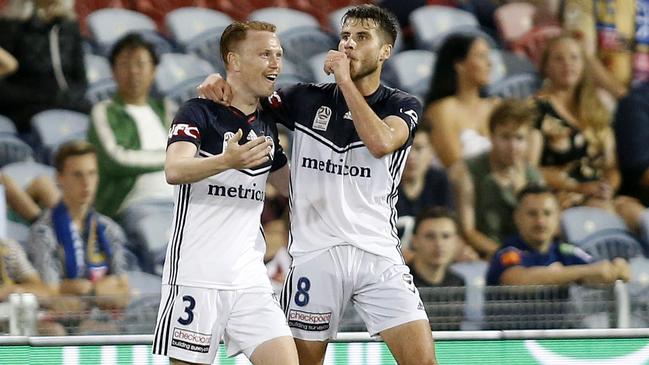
<point>234,61</point>
<point>386,51</point>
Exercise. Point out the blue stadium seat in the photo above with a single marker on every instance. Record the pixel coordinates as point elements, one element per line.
<point>14,149</point>
<point>413,69</point>
<point>431,23</point>
<point>515,64</point>
<point>26,171</point>
<point>498,67</point>
<point>316,63</point>
<point>474,274</point>
<point>184,24</point>
<point>100,91</point>
<point>178,75</point>
<point>284,18</point>
<point>148,227</point>
<point>206,46</point>
<point>602,234</point>
<point>109,24</point>
<point>516,86</point>
<point>7,126</point>
<point>300,44</point>
<point>97,68</point>
<point>55,126</point>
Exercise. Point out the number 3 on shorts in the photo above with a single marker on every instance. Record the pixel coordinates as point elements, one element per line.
<point>302,295</point>
<point>191,304</point>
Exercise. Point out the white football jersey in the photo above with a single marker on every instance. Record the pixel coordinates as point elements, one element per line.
<point>217,240</point>
<point>340,193</point>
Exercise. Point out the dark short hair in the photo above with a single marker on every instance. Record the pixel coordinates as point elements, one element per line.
<point>132,41</point>
<point>72,149</point>
<point>385,20</point>
<point>519,112</point>
<point>532,189</point>
<point>434,213</point>
<point>236,32</point>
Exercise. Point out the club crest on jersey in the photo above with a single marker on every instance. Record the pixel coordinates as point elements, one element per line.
<point>184,130</point>
<point>322,117</point>
<point>226,137</point>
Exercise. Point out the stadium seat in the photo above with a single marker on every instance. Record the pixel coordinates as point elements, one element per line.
<point>184,24</point>
<point>100,91</point>
<point>414,69</point>
<point>430,23</point>
<point>644,229</point>
<point>17,231</point>
<point>600,233</point>
<point>83,8</point>
<point>206,46</point>
<point>285,19</point>
<point>300,44</point>
<point>55,126</point>
<point>473,274</point>
<point>157,10</point>
<point>516,86</point>
<point>513,20</point>
<point>148,227</point>
<point>14,149</point>
<point>532,43</point>
<point>284,80</point>
<point>316,64</point>
<point>108,25</point>
<point>516,64</point>
<point>178,75</point>
<point>26,171</point>
<point>97,68</point>
<point>7,126</point>
<point>498,68</point>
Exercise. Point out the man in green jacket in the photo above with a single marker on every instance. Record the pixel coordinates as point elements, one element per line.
<point>130,131</point>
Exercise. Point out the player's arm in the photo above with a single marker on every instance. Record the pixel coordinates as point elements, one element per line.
<point>381,136</point>
<point>183,167</point>
<point>280,179</point>
<point>465,197</point>
<point>602,272</point>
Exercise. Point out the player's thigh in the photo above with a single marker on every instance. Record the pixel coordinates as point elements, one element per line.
<point>255,319</point>
<point>278,351</point>
<point>411,343</point>
<point>387,297</point>
<point>190,324</point>
<point>314,299</point>
<point>311,352</point>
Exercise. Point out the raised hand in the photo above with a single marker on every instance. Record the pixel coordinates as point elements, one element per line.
<point>337,63</point>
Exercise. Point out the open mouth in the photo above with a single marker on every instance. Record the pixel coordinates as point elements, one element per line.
<point>271,77</point>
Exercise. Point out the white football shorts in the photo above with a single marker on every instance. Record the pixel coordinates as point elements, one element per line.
<point>317,291</point>
<point>192,321</point>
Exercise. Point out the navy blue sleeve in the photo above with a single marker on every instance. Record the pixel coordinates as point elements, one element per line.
<point>189,123</point>
<point>632,131</point>
<point>503,259</point>
<point>408,108</point>
<point>279,157</point>
<point>281,104</point>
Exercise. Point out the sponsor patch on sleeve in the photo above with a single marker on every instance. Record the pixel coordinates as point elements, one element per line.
<point>184,130</point>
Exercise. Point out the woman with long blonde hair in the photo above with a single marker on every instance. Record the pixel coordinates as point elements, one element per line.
<point>575,145</point>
